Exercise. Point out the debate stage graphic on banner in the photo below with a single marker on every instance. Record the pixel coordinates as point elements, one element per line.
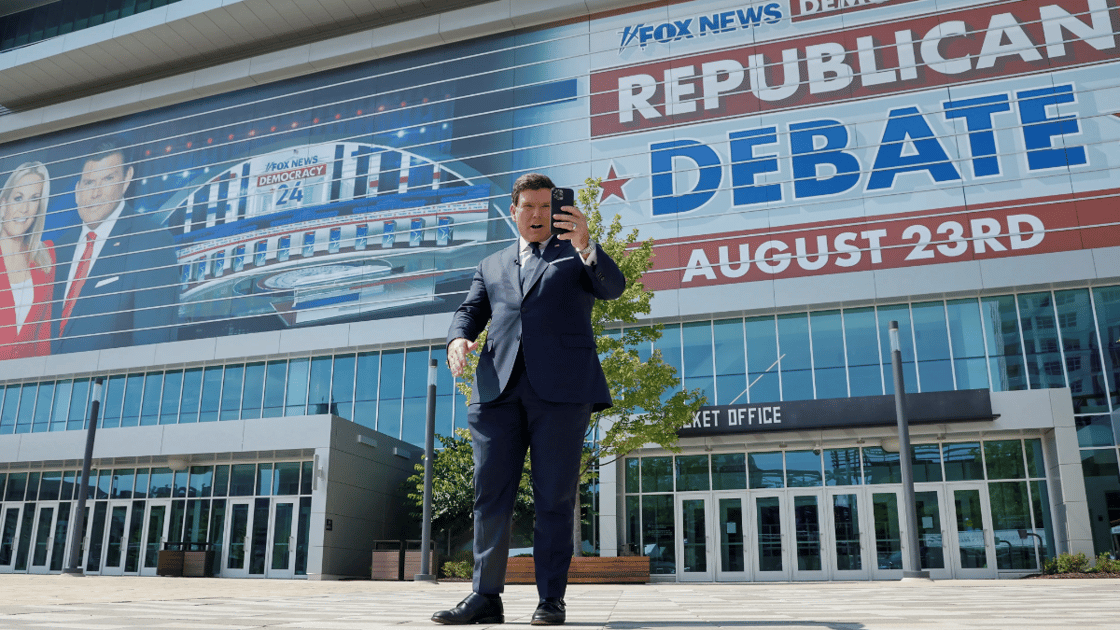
<point>754,141</point>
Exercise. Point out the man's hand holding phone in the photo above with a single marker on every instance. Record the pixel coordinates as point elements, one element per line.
<point>568,223</point>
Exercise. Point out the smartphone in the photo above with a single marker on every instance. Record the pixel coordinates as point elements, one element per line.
<point>561,197</point>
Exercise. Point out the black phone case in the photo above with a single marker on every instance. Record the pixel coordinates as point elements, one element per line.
<point>560,197</point>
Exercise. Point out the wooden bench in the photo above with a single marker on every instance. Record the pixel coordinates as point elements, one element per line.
<point>587,570</point>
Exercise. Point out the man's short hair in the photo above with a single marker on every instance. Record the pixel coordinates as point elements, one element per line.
<point>530,181</point>
<point>107,147</point>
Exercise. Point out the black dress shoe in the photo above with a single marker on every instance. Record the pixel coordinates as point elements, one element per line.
<point>474,609</point>
<point>550,612</point>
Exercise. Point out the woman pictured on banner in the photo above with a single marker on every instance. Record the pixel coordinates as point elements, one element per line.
<point>27,264</point>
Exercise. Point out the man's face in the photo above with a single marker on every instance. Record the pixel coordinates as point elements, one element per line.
<point>532,214</point>
<point>101,187</point>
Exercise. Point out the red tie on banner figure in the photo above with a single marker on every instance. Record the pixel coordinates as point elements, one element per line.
<point>79,281</point>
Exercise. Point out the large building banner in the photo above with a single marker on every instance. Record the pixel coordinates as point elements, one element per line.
<point>754,140</point>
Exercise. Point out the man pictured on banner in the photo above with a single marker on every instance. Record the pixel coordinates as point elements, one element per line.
<point>117,281</point>
<point>537,383</point>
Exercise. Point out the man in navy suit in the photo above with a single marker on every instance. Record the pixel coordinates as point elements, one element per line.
<point>117,279</point>
<point>537,383</point>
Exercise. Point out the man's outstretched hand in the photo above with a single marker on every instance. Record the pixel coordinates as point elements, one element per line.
<point>457,355</point>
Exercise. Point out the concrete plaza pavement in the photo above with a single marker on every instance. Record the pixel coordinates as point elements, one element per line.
<point>105,603</point>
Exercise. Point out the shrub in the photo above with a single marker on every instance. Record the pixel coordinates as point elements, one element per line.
<point>459,565</point>
<point>1106,564</point>
<point>1067,563</point>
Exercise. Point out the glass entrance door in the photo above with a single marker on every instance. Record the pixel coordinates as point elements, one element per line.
<point>932,539</point>
<point>43,542</point>
<point>281,544</point>
<point>770,549</point>
<point>809,557</point>
<point>693,538</point>
<point>731,536</point>
<point>10,536</point>
<point>847,539</point>
<point>238,525</point>
<point>886,534</point>
<point>973,550</point>
<point>123,528</point>
<point>155,534</point>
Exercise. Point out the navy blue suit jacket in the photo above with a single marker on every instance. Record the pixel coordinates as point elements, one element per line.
<point>552,321</point>
<point>131,295</point>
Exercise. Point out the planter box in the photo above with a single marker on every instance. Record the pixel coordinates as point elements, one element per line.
<point>587,570</point>
<point>387,564</point>
<point>169,563</point>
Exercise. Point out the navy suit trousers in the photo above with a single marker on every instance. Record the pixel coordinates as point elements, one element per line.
<point>502,430</point>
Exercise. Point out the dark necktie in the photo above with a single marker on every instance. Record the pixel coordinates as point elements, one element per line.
<point>529,268</point>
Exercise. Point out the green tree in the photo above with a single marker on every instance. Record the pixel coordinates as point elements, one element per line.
<point>649,403</point>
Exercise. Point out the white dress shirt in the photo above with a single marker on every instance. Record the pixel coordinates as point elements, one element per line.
<point>527,250</point>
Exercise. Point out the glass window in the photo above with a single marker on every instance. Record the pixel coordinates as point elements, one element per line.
<point>765,470</point>
<point>389,403</point>
<point>927,462</point>
<point>26,414</point>
<point>657,474</point>
<point>659,533</point>
<point>79,411</point>
<point>133,397</point>
<point>931,341</point>
<point>729,471</point>
<point>42,422</point>
<point>1040,341</point>
<point>445,393</point>
<point>305,481</point>
<point>201,481</point>
<point>153,390</point>
<point>1081,348</point>
<point>841,467</point>
<point>17,487</point>
<point>192,392</point>
<point>1036,465</point>
<point>161,481</point>
<point>181,478</point>
<point>172,392</point>
<point>762,356</point>
<point>830,374</point>
<point>242,480</point>
<point>1107,301</point>
<point>32,488</point>
<point>1011,512</point>
<point>881,466</point>
<point>633,532</point>
<point>295,401</point>
<point>670,346</point>
<point>264,479</point>
<point>699,365</point>
<point>211,394</point>
<point>142,480</point>
<point>11,407</point>
<point>253,396</point>
<point>901,314</point>
<point>1004,459</point>
<point>803,469</point>
<point>276,374</point>
<point>1005,349</point>
<point>415,395</point>
<point>50,488</point>
<point>342,387</point>
<point>102,484</point>
<point>319,387</point>
<point>632,475</point>
<point>731,361</point>
<point>231,392</point>
<point>861,339</point>
<point>962,462</point>
<point>123,480</point>
<point>287,478</point>
<point>112,393</point>
<point>966,336</point>
<point>796,363</point>
<point>365,389</point>
<point>692,472</point>
<point>221,480</point>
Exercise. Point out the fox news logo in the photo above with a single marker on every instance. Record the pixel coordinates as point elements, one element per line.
<point>643,35</point>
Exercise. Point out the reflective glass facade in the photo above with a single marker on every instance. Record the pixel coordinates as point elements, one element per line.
<point>65,16</point>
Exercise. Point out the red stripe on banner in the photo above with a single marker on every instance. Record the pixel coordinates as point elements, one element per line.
<point>1017,228</point>
<point>919,53</point>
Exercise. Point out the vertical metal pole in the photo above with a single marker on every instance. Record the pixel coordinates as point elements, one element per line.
<point>909,507</point>
<point>429,453</point>
<point>73,564</point>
